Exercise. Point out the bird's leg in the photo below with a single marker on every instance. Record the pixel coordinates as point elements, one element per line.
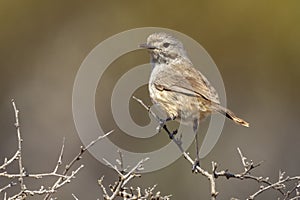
<point>162,124</point>
<point>197,160</point>
<point>171,135</point>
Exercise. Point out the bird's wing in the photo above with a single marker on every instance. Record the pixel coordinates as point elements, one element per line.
<point>185,79</point>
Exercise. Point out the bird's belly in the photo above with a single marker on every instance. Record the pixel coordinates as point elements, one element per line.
<point>183,107</point>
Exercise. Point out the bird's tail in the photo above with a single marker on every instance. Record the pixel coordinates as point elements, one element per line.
<point>228,113</point>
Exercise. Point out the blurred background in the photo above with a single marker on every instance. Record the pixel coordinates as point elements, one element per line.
<point>255,45</point>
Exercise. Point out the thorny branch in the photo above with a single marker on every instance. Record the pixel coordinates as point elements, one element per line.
<point>120,188</point>
<point>83,149</point>
<point>20,140</point>
<point>63,178</point>
<point>246,174</point>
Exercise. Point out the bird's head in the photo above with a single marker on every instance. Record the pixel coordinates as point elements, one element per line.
<point>164,47</point>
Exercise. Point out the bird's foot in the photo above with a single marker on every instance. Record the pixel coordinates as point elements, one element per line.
<point>195,165</point>
<point>171,135</point>
<point>162,124</point>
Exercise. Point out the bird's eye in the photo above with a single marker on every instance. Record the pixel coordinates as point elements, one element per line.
<point>166,44</point>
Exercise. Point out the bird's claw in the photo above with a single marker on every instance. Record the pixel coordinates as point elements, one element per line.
<point>162,124</point>
<point>171,135</point>
<point>195,165</point>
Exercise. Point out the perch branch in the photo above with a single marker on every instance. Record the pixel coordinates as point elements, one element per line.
<point>248,167</point>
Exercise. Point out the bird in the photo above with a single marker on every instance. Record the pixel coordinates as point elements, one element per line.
<point>177,87</point>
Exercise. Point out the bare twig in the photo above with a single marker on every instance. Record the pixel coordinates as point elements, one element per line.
<point>8,162</point>
<point>7,186</point>
<point>146,107</point>
<point>60,180</point>
<point>63,178</point>
<point>105,194</point>
<point>280,184</point>
<point>293,190</point>
<point>59,161</point>
<point>119,189</point>
<point>20,140</point>
<point>75,197</point>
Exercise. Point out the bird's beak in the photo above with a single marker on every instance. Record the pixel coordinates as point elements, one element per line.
<point>146,46</point>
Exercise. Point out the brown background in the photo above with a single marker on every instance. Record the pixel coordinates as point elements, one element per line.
<point>255,45</point>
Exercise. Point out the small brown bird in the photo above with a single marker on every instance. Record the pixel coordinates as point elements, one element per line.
<point>177,87</point>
